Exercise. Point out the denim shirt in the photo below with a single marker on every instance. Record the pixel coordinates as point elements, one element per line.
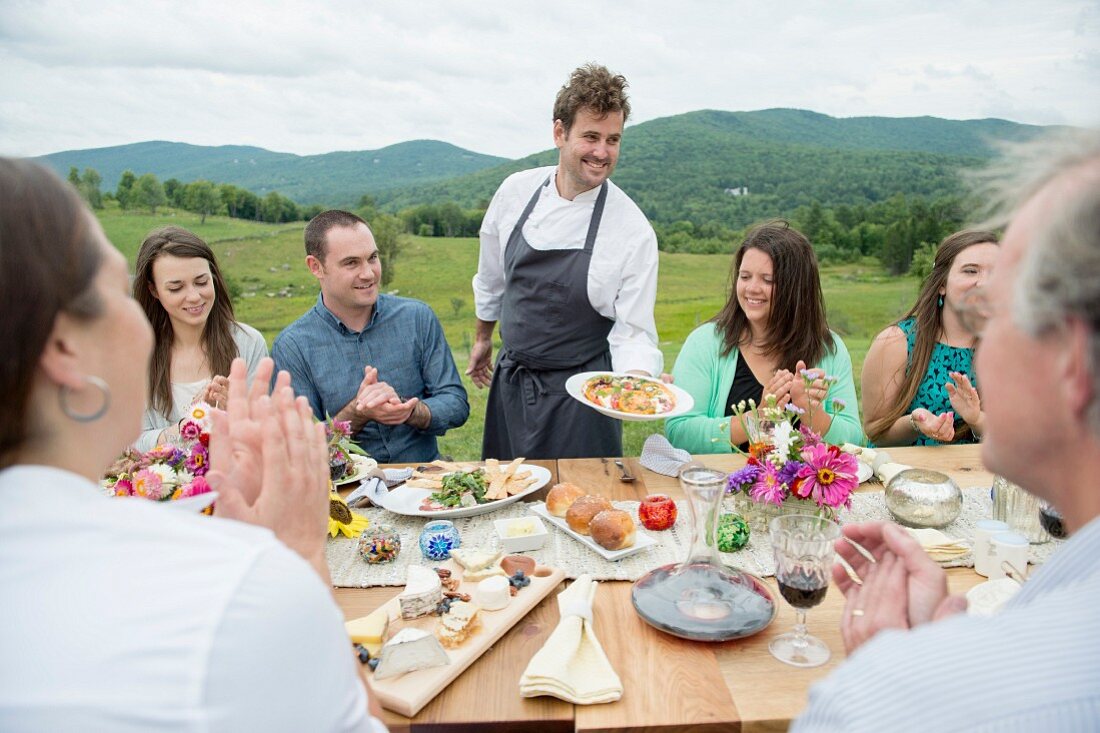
<point>405,343</point>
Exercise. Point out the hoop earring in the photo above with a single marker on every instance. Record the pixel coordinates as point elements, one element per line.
<point>940,304</point>
<point>104,390</point>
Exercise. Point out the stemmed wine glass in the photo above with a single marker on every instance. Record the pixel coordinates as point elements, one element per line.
<point>803,546</point>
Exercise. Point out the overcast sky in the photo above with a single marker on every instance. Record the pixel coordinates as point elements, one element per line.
<point>312,77</point>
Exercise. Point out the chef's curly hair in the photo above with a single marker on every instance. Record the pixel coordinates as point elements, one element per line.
<point>591,87</point>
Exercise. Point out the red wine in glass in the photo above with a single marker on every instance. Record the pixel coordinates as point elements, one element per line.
<point>802,589</point>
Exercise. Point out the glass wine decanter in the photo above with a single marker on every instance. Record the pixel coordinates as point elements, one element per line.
<point>702,598</point>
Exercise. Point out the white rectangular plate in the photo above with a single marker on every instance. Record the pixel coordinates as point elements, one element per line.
<point>641,539</point>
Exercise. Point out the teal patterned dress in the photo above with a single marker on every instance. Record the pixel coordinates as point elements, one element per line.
<point>931,395</point>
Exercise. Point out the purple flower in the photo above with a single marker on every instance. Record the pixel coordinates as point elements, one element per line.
<point>795,409</point>
<point>839,404</point>
<point>742,479</point>
<point>768,487</point>
<point>198,461</point>
<point>789,471</point>
<point>809,437</point>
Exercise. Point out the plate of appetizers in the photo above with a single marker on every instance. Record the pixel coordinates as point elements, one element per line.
<point>463,490</point>
<point>360,467</point>
<point>629,396</point>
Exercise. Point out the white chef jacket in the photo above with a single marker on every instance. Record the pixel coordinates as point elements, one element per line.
<point>622,275</point>
<point>123,614</point>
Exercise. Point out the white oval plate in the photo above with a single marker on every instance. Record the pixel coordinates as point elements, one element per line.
<point>405,500</point>
<point>363,466</point>
<point>575,387</point>
<point>641,539</point>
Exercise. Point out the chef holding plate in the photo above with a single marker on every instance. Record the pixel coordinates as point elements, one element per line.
<point>568,265</point>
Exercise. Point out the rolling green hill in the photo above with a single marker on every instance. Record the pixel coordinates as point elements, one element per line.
<point>337,179</point>
<point>679,168</point>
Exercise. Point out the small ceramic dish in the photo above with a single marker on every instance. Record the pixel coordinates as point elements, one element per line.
<point>521,534</point>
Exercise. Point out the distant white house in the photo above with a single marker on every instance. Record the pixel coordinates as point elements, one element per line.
<point>739,191</point>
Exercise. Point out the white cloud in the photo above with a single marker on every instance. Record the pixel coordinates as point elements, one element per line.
<point>314,77</point>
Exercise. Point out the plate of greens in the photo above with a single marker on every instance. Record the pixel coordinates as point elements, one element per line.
<point>461,494</point>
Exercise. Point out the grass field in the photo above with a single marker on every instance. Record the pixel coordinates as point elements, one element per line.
<point>266,264</point>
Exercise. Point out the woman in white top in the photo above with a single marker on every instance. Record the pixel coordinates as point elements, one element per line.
<point>125,614</point>
<point>178,284</point>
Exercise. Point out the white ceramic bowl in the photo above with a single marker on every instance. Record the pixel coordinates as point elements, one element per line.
<point>524,542</point>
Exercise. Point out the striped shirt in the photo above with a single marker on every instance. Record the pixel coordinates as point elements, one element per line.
<point>1035,666</point>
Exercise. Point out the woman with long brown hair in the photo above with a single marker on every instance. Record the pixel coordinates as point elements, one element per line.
<point>918,377</point>
<point>771,337</point>
<point>179,285</point>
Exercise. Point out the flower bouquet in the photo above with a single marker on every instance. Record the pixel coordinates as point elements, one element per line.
<point>168,471</point>
<point>790,469</point>
<point>340,448</point>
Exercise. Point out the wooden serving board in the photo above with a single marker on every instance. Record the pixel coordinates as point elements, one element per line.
<point>410,692</point>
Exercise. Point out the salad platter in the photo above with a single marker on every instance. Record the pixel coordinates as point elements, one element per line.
<point>629,396</point>
<point>463,490</point>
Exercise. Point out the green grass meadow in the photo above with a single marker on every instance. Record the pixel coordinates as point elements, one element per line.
<point>266,265</point>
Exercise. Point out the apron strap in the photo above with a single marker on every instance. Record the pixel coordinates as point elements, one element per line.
<point>597,214</point>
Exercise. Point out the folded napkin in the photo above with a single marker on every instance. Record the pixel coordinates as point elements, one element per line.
<point>572,665</point>
<point>939,546</point>
<point>376,483</point>
<point>659,456</point>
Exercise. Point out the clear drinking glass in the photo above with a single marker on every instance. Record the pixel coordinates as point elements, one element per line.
<point>803,546</point>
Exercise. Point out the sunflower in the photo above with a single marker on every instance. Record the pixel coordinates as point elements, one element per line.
<point>343,520</point>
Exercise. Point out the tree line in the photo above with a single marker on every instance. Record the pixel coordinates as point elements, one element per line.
<point>901,231</point>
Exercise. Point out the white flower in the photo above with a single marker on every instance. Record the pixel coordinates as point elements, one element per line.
<point>183,476</point>
<point>782,437</point>
<point>166,473</point>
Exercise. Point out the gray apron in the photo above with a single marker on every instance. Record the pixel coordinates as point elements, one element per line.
<point>549,332</point>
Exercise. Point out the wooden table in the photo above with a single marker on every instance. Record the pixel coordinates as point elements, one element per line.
<point>669,684</point>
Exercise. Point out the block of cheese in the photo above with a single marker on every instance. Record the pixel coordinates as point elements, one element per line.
<point>478,564</point>
<point>370,630</point>
<point>458,624</point>
<point>493,594</point>
<point>423,592</point>
<point>410,649</point>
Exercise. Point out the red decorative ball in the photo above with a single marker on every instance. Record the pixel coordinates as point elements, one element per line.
<point>657,512</point>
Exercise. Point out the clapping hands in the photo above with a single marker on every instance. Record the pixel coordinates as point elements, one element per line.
<point>964,398</point>
<point>270,462</point>
<point>902,587</point>
<point>378,401</point>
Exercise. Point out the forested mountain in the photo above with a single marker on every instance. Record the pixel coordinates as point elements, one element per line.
<point>733,168</point>
<point>338,178</point>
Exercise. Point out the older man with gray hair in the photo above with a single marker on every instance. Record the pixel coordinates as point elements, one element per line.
<point>916,661</point>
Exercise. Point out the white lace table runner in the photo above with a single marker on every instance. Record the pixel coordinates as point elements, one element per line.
<point>562,551</point>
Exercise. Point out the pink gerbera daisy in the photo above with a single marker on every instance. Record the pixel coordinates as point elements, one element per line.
<point>829,476</point>
<point>768,487</point>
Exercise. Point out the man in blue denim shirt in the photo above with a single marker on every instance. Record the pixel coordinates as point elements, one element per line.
<point>378,361</point>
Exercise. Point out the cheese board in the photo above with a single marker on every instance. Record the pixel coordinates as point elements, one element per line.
<point>408,693</point>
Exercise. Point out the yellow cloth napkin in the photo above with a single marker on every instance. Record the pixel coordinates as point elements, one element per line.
<point>572,665</point>
<point>939,546</point>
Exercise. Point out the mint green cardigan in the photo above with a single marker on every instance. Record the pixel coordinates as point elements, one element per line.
<point>707,377</point>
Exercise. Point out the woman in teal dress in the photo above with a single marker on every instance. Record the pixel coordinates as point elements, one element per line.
<point>772,326</point>
<point>918,377</point>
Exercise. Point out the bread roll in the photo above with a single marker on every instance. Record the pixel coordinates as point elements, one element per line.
<point>582,511</point>
<point>612,529</point>
<point>561,497</point>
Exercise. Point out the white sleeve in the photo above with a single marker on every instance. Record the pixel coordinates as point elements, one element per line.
<point>489,280</point>
<point>633,337</point>
<point>152,424</point>
<point>280,660</point>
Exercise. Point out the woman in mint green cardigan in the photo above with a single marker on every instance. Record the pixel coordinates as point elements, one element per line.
<point>770,333</point>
